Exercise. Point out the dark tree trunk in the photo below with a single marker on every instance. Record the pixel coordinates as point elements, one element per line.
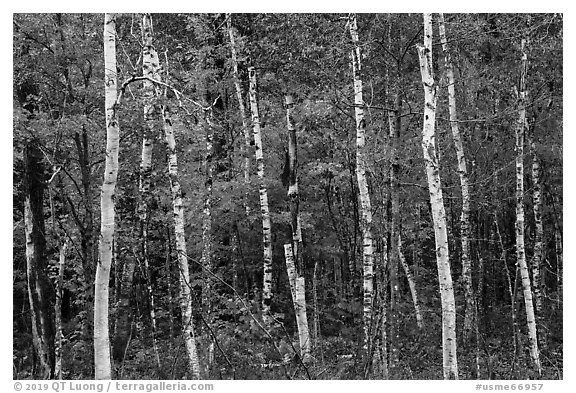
<point>39,287</point>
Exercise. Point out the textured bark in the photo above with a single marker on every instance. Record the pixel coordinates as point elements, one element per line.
<point>536,264</point>
<point>150,68</point>
<point>437,204</point>
<point>365,206</point>
<point>266,223</point>
<point>102,363</point>
<point>293,190</point>
<point>59,338</point>
<point>520,249</point>
<point>206,259</point>
<point>36,265</point>
<point>297,245</point>
<point>242,107</point>
<point>465,228</point>
<point>178,215</point>
<point>381,363</point>
<point>297,289</point>
<point>168,272</point>
<point>411,284</point>
<point>559,263</point>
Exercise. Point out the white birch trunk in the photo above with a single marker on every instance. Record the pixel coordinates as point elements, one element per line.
<point>178,214</point>
<point>465,228</point>
<point>298,291</point>
<point>538,237</point>
<point>150,67</point>
<point>559,263</point>
<point>266,223</point>
<point>450,365</point>
<point>520,249</point>
<point>58,342</point>
<point>297,245</point>
<point>411,284</point>
<point>206,260</point>
<point>102,365</point>
<point>365,206</point>
<point>245,128</point>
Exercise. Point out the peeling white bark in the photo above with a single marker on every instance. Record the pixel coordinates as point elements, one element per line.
<point>365,206</point>
<point>266,222</point>
<point>520,248</point>
<point>178,214</point>
<point>465,227</point>
<point>102,363</point>
<point>450,365</point>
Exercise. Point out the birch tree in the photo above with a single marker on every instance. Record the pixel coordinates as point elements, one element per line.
<point>150,69</point>
<point>465,228</point>
<point>179,234</point>
<point>411,284</point>
<point>297,289</point>
<point>365,206</point>
<point>107,224</point>
<point>538,233</point>
<point>520,248</point>
<point>59,337</point>
<point>450,364</point>
<point>295,249</point>
<point>242,107</point>
<point>266,223</point>
<point>206,259</point>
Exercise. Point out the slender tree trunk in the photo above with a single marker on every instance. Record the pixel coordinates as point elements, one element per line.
<point>266,223</point>
<point>150,67</point>
<point>102,363</point>
<point>392,207</point>
<point>245,128</point>
<point>520,251</point>
<point>59,339</point>
<point>298,299</point>
<point>411,284</point>
<point>235,257</point>
<point>88,233</point>
<point>178,214</point>
<point>538,237</point>
<point>511,291</point>
<point>206,260</point>
<point>293,190</point>
<point>437,204</point>
<point>365,206</point>
<point>297,245</point>
<point>315,305</point>
<point>465,228</point>
<point>168,272</point>
<point>559,263</point>
<point>37,280</point>
<point>124,314</point>
<point>382,365</point>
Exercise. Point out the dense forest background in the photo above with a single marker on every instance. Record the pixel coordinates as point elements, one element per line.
<point>203,74</point>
